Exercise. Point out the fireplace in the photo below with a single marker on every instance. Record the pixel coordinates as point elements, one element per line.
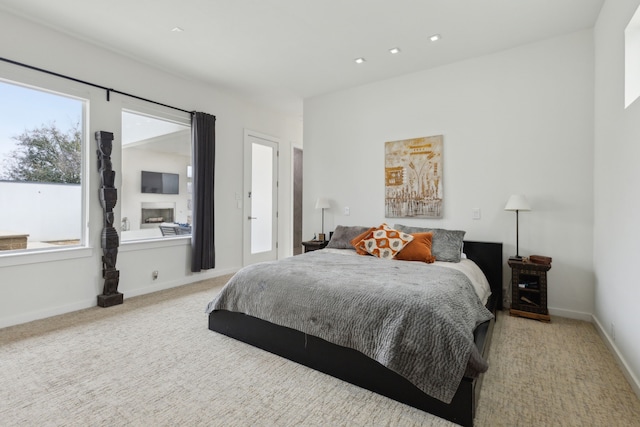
<point>153,214</point>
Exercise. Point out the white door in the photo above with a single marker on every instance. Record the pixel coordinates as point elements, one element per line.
<point>260,198</point>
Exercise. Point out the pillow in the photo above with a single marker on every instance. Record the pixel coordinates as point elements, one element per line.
<point>419,249</point>
<point>356,242</point>
<point>447,244</point>
<point>343,235</point>
<point>385,242</point>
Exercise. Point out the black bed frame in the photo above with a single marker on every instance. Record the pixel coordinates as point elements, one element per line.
<point>356,368</point>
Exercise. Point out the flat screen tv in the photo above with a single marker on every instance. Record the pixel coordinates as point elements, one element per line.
<point>160,182</point>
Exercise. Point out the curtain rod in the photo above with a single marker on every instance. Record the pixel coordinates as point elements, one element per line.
<point>108,90</point>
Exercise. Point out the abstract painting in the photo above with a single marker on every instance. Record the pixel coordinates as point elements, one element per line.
<point>413,178</point>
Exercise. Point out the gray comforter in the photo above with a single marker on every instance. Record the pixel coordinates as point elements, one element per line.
<point>416,319</point>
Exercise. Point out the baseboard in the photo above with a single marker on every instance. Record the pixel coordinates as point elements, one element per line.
<point>81,305</point>
<point>578,315</point>
<point>622,363</point>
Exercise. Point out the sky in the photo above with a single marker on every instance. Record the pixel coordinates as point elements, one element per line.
<point>23,108</point>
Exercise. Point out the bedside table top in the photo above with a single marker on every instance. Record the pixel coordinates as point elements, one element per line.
<point>524,263</point>
<point>314,245</point>
<point>315,242</point>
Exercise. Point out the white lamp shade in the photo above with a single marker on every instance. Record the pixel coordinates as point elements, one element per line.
<point>322,203</point>
<point>517,202</point>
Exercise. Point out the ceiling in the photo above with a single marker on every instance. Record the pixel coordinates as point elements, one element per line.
<point>278,52</point>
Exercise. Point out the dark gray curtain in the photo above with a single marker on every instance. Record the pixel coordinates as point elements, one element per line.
<point>203,140</point>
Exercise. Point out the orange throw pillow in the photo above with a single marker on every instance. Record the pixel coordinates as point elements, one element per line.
<point>358,241</point>
<point>419,249</point>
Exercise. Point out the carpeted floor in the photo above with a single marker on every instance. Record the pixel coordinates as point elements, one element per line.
<point>153,362</point>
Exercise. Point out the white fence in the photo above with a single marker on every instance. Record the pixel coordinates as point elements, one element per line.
<point>46,212</point>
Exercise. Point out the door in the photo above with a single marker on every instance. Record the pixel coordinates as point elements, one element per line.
<point>260,198</point>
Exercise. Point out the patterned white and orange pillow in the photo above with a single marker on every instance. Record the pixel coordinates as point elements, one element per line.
<point>383,242</point>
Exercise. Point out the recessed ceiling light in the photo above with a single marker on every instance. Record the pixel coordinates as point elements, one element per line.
<point>359,60</point>
<point>435,37</point>
<point>177,30</point>
<point>394,50</point>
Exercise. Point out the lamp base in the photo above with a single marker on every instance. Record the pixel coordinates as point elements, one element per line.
<point>516,258</point>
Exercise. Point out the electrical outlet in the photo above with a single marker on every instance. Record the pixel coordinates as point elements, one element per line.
<point>347,211</point>
<point>475,213</point>
<point>154,274</point>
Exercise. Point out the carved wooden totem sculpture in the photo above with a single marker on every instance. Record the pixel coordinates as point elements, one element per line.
<point>110,242</point>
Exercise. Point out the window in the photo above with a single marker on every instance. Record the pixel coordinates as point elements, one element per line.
<point>632,60</point>
<point>41,173</point>
<point>156,178</point>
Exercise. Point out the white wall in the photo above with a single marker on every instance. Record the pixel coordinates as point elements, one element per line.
<point>617,202</point>
<point>518,121</point>
<point>43,211</point>
<point>34,286</point>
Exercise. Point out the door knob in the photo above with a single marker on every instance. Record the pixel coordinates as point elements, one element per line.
<point>252,217</point>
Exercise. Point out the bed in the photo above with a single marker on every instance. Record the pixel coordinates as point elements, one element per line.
<point>384,371</point>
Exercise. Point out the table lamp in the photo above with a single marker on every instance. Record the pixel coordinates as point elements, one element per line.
<point>517,202</point>
<point>322,203</point>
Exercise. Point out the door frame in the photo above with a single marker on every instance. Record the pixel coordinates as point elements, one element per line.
<point>247,257</point>
<point>297,200</point>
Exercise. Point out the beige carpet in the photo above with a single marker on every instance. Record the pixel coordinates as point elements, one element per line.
<point>153,362</point>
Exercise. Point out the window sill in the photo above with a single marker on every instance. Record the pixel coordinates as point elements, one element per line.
<point>163,242</point>
<point>36,256</point>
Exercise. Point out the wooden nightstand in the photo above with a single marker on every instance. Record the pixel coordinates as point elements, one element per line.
<point>314,245</point>
<point>529,290</point>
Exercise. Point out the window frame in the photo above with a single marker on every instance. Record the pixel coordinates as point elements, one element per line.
<point>36,80</point>
<point>154,111</point>
<point>632,60</point>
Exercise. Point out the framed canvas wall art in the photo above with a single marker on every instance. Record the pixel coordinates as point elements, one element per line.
<point>413,178</point>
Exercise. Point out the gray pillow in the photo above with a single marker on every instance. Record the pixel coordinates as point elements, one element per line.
<point>447,244</point>
<point>343,235</point>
